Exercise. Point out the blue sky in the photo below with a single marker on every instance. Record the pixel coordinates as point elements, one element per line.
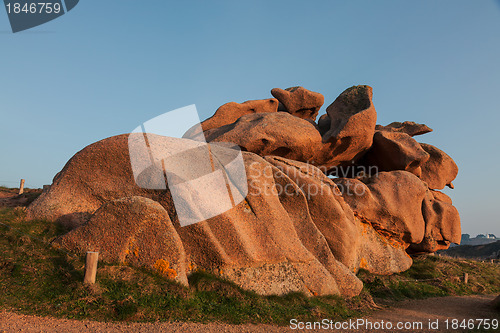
<point>108,66</point>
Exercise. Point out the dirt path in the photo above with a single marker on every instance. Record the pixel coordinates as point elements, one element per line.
<point>464,307</point>
<point>439,308</point>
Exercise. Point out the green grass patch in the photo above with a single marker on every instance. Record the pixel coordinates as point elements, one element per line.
<point>433,276</point>
<point>36,278</point>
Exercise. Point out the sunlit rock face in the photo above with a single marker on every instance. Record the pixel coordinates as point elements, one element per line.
<point>295,227</point>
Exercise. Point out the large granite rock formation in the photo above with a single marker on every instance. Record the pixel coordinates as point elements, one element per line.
<point>297,229</point>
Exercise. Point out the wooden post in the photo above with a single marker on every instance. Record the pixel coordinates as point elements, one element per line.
<point>91,267</point>
<point>21,187</point>
<point>466,278</point>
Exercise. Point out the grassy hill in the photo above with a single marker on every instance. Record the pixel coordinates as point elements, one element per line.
<point>36,278</point>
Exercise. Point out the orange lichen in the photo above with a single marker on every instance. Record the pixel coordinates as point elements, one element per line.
<point>191,266</point>
<point>163,267</point>
<point>363,264</point>
<point>388,237</point>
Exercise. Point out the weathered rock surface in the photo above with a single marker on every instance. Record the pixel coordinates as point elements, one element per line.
<point>279,134</point>
<point>299,101</point>
<point>232,111</point>
<point>440,170</point>
<point>391,202</point>
<point>133,230</point>
<point>269,243</point>
<point>352,126</point>
<point>324,123</point>
<point>409,127</point>
<point>78,191</point>
<point>442,224</point>
<point>441,196</point>
<point>331,215</point>
<point>395,151</point>
<point>353,242</point>
<point>379,254</point>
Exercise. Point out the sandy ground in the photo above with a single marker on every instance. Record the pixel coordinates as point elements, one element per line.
<point>464,307</point>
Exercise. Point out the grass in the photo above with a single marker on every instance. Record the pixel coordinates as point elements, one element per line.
<point>36,278</point>
<point>432,276</point>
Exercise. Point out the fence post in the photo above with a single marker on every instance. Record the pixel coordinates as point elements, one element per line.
<point>91,267</point>
<point>21,187</point>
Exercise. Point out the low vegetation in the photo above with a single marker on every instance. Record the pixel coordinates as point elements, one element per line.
<point>36,278</point>
<point>432,276</point>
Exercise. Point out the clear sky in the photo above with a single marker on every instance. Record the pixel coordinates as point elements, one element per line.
<point>108,66</point>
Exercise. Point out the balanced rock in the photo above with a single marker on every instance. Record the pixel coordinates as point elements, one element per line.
<point>279,134</point>
<point>134,230</point>
<point>395,151</point>
<point>352,126</point>
<point>299,101</point>
<point>232,111</point>
<point>439,170</point>
<point>409,127</point>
